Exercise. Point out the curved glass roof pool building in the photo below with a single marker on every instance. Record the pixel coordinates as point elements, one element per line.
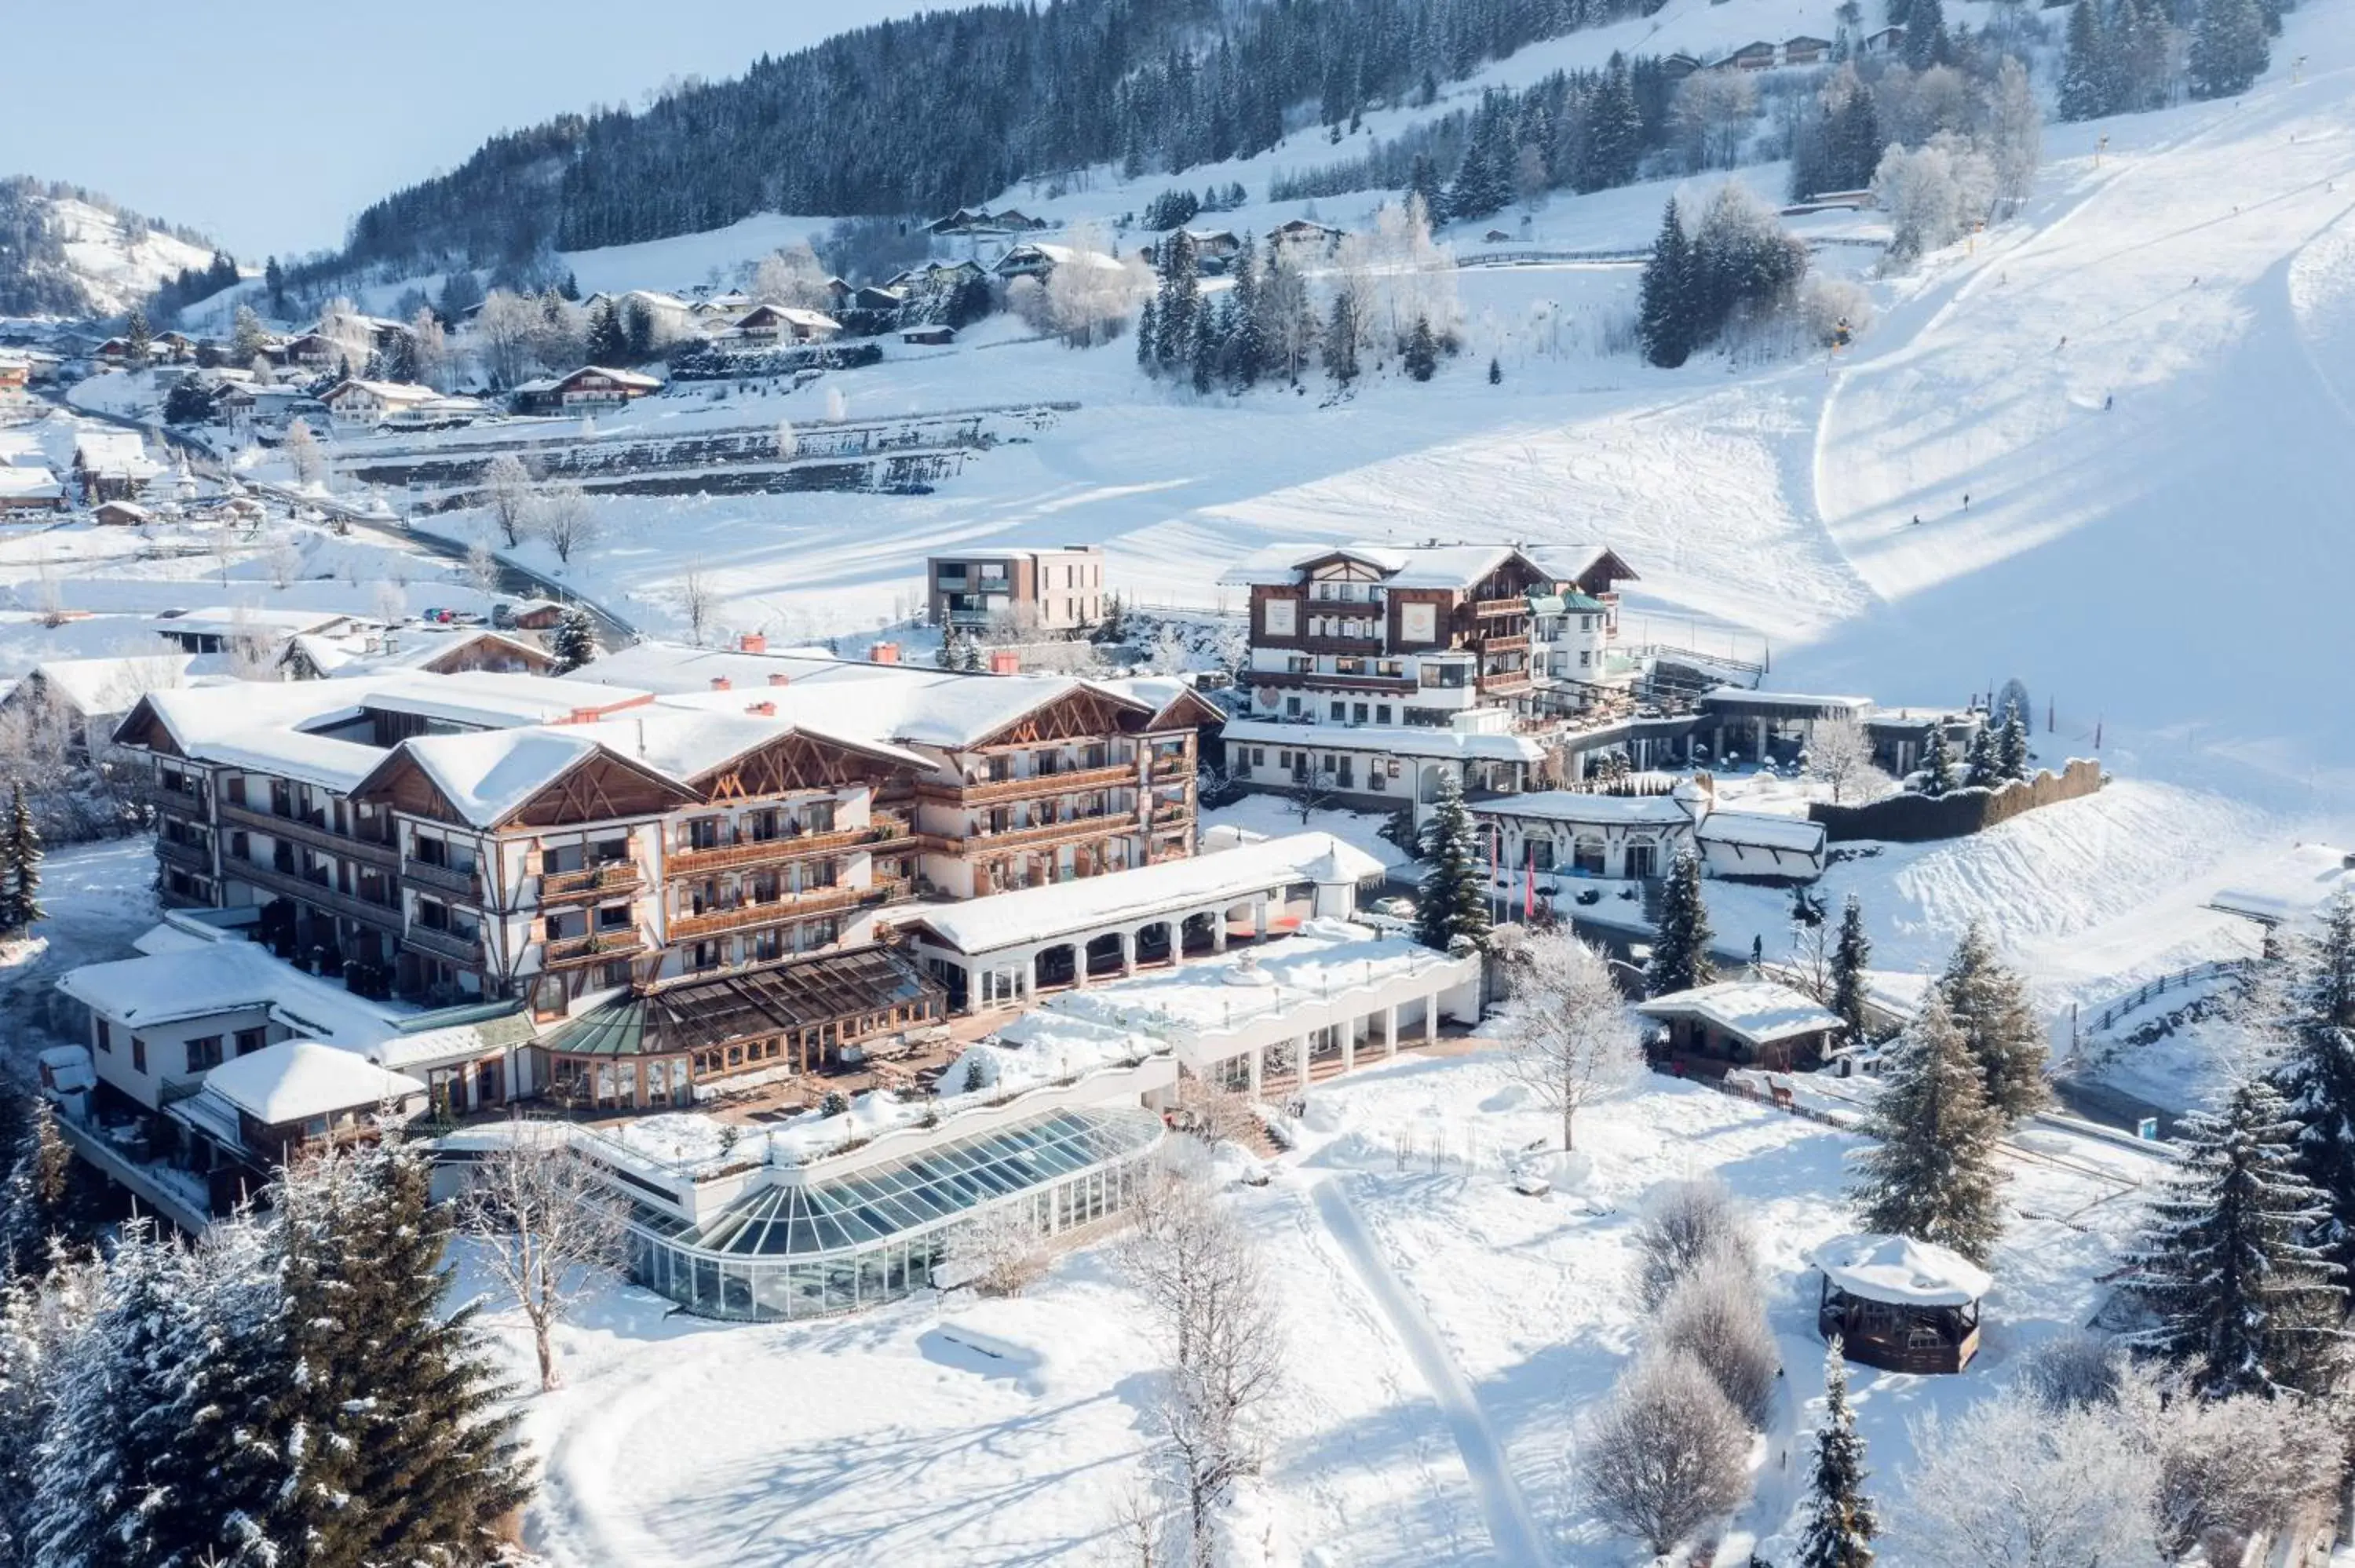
<point>808,1249</point>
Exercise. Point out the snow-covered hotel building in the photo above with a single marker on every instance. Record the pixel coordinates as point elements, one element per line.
<point>1377,668</point>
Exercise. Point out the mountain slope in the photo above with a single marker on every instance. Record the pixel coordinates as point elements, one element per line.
<point>64,251</point>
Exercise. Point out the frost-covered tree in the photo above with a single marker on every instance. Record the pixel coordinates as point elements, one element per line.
<point>1452,904</point>
<point>1851,959</point>
<point>561,513</point>
<point>2014,133</point>
<point>1931,1171</point>
<point>2011,743</point>
<point>2011,1481</point>
<point>1839,756</point>
<point>1000,1253</point>
<point>1681,958</point>
<point>507,491</point>
<point>574,640</point>
<point>1988,1003</point>
<point>246,340</point>
<point>2316,1068</point>
<point>1713,115</point>
<point>1938,764</point>
<point>1716,1315</point>
<point>303,453</point>
<point>2231,1470</point>
<point>1685,1221</point>
<point>547,1229</point>
<point>2229,50</point>
<point>1933,193</point>
<point>1566,1033</point>
<point>1664,323</point>
<point>20,867</point>
<point>1664,1454</point>
<point>33,1202</point>
<point>2243,1305</point>
<point>1841,1520</point>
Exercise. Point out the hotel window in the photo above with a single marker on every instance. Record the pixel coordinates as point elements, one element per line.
<point>138,1055</point>
<point>204,1054</point>
<point>1357,713</point>
<point>1381,713</point>
<point>1340,712</point>
<point>105,1035</point>
<point>248,1040</point>
<point>1302,665</point>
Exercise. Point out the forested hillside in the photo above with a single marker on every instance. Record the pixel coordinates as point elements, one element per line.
<point>919,116</point>
<point>68,251</point>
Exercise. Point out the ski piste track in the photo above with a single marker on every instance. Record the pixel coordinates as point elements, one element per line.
<point>1512,1530</point>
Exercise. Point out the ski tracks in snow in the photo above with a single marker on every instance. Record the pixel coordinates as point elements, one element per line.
<point>1512,1530</point>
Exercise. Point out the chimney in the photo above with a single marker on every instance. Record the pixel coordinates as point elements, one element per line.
<point>752,643</point>
<point>1004,662</point>
<point>718,683</point>
<point>778,677</point>
<point>884,653</point>
<point>762,710</point>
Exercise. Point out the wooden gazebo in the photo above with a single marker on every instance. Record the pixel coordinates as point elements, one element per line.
<point>1900,1304</point>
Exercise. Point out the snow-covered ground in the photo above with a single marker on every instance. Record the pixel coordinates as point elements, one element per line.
<point>1437,1320</point>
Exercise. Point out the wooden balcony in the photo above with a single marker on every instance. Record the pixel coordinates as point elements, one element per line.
<point>1287,680</point>
<point>596,948</point>
<point>318,894</point>
<point>794,907</point>
<point>613,880</point>
<point>1485,609</point>
<point>992,791</point>
<point>183,802</point>
<point>443,880</point>
<point>457,949</point>
<point>1508,682</point>
<point>1179,766</point>
<point>772,851</point>
<point>193,857</point>
<point>1110,823</point>
<point>1518,642</point>
<point>296,830</point>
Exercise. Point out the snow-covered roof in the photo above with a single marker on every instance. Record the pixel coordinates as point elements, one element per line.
<point>1393,741</point>
<point>413,649</point>
<point>24,481</point>
<point>1061,256</point>
<point>1041,914</point>
<point>383,391</point>
<point>1758,1010</point>
<point>1758,830</point>
<point>221,978</point>
<point>224,620</point>
<point>297,1079</point>
<point>1581,808</point>
<point>489,699</point>
<point>1901,1270</point>
<point>1801,701</point>
<point>488,776</point>
<point>686,743</point>
<point>96,687</point>
<point>618,378</point>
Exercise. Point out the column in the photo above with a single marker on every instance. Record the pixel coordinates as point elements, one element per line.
<point>1079,965</point>
<point>1390,1030</point>
<point>1300,1048</point>
<point>1431,1020</point>
<point>1127,953</point>
<point>1349,1044</point>
<point>1258,1068</point>
<point>972,982</point>
<point>1761,726</point>
<point>1217,929</point>
<point>1259,917</point>
<point>1026,981</point>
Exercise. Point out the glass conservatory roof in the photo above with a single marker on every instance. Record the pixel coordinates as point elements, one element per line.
<point>873,1205</point>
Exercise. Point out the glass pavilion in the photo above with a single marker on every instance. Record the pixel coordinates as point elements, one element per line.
<point>810,1249</point>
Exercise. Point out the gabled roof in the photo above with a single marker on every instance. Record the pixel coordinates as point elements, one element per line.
<point>486,779</point>
<point>28,482</point>
<point>625,378</point>
<point>692,745</point>
<point>1457,566</point>
<point>382,391</point>
<point>295,1080</point>
<point>1758,1010</point>
<point>97,687</point>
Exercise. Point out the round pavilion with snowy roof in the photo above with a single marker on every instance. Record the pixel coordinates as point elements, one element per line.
<point>1900,1304</point>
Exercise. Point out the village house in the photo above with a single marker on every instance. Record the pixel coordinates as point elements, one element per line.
<point>219,628</point>
<point>1802,50</point>
<point>1055,589</point>
<point>362,402</point>
<point>785,323</point>
<point>1714,1028</point>
<point>1304,237</point>
<point>1756,55</point>
<point>28,487</point>
<point>436,651</point>
<point>1037,260</point>
<point>112,465</point>
<point>86,698</point>
<point>1548,835</point>
<point>1884,41</point>
<point>591,387</point>
<point>15,375</point>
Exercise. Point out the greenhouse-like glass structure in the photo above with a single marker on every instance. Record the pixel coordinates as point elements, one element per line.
<point>806,1250</point>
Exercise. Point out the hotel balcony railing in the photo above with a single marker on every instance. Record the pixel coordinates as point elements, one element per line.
<point>446,879</point>
<point>1485,608</point>
<point>1176,765</point>
<point>1043,833</point>
<point>195,857</point>
<point>792,906</point>
<point>766,851</point>
<point>607,881</point>
<point>303,830</point>
<point>458,950</point>
<point>323,894</point>
<point>596,948</point>
<point>1505,683</point>
<point>988,790</point>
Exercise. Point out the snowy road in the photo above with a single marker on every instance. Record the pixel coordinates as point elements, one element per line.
<point>1510,1528</point>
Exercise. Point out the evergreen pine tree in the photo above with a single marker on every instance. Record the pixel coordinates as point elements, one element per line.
<point>1340,345</point>
<point>1681,958</point>
<point>395,1449</point>
<point>1937,763</point>
<point>1422,359</point>
<point>2084,72</point>
<point>1842,1522</point>
<point>2229,50</point>
<point>2011,744</point>
<point>33,1199</point>
<point>21,864</point>
<point>2243,1305</point>
<point>1180,297</point>
<point>1925,34</point>
<point>574,642</point>
<point>1148,338</point>
<point>274,283</point>
<point>1452,901</point>
<point>1851,958</point>
<point>607,345</point>
<point>2316,1073</point>
<point>1203,355</point>
<point>1496,371</point>
<point>30,1328</point>
<point>139,337</point>
<point>1247,334</point>
<point>1982,769</point>
<point>1988,1005</point>
<point>1615,131</point>
<point>1422,180</point>
<point>1664,316</point>
<point>1931,1171</point>
<point>969,657</point>
<point>944,657</point>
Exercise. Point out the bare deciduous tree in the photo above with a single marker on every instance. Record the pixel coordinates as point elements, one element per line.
<point>1566,1031</point>
<point>506,328</point>
<point>561,514</point>
<point>1685,1222</point>
<point>1000,1253</point>
<point>1840,754</point>
<point>2013,1482</point>
<point>1215,1114</point>
<point>1221,1334</point>
<point>391,603</point>
<point>507,486</point>
<point>303,454</point>
<point>1666,1453</point>
<point>482,569</point>
<point>1717,1316</point>
<point>697,600</point>
<point>547,1230</point>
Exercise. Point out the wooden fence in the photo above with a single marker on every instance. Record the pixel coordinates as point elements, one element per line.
<point>1916,818</point>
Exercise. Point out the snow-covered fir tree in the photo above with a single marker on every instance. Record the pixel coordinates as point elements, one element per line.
<point>1937,763</point>
<point>2316,1070</point>
<point>2228,48</point>
<point>1421,358</point>
<point>2011,743</point>
<point>1842,1522</point>
<point>33,1201</point>
<point>1340,349</point>
<point>1931,1171</point>
<point>20,867</point>
<point>1851,958</point>
<point>1983,770</point>
<point>1452,904</point>
<point>2243,1304</point>
<point>1681,958</point>
<point>574,642</point>
<point>1988,1003</point>
<point>1663,313</point>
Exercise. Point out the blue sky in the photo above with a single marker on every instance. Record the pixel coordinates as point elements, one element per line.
<point>269,124</point>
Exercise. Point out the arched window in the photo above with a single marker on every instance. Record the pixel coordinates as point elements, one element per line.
<point>1586,857</point>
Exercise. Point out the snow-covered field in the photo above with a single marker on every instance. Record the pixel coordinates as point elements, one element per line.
<point>1436,1320</point>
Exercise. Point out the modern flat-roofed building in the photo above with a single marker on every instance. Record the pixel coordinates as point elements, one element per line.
<point>1049,590</point>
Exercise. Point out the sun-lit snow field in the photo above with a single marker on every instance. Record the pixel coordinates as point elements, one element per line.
<point>884,1438</point>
